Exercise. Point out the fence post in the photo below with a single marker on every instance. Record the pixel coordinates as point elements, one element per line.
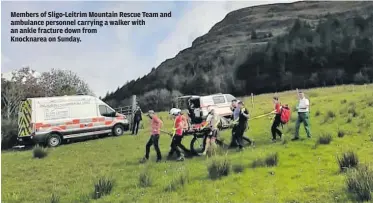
<point>134,105</point>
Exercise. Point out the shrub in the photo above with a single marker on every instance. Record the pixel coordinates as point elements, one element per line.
<point>324,139</point>
<point>219,167</point>
<point>349,120</point>
<point>352,111</point>
<point>370,103</point>
<point>39,152</point>
<point>360,183</point>
<point>271,160</point>
<point>258,163</point>
<point>9,133</point>
<point>330,115</point>
<point>341,133</point>
<point>343,101</point>
<point>102,187</point>
<point>317,113</point>
<point>145,179</point>
<point>238,168</point>
<point>179,181</point>
<point>55,199</point>
<point>348,160</point>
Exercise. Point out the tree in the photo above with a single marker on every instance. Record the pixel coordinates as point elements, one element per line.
<point>254,35</point>
<point>11,97</point>
<point>63,82</point>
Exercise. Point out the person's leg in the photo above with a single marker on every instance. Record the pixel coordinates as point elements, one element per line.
<point>177,144</point>
<point>147,148</point>
<point>136,127</point>
<point>307,124</point>
<point>156,147</point>
<point>181,146</point>
<point>133,126</point>
<point>276,124</point>
<point>239,135</point>
<point>233,138</point>
<point>172,146</point>
<point>207,146</point>
<point>297,125</point>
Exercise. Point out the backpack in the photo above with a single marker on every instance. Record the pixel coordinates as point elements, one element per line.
<point>285,114</point>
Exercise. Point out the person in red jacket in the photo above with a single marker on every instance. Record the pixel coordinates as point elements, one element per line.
<point>178,136</point>
<point>277,121</point>
<point>156,125</point>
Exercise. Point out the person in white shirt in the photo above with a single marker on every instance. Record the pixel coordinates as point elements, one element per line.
<point>212,123</point>
<point>303,116</point>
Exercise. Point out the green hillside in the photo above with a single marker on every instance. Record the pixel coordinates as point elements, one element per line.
<point>306,172</point>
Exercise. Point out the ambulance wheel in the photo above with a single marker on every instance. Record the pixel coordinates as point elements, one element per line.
<point>54,140</point>
<point>118,130</point>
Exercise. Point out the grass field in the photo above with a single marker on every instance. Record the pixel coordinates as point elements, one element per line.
<point>305,172</point>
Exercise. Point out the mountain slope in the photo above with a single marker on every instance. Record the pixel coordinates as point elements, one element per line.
<point>213,57</point>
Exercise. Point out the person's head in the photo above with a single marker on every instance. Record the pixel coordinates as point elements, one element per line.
<point>151,113</point>
<point>301,95</point>
<point>234,102</point>
<point>240,104</point>
<point>175,112</point>
<point>137,108</point>
<point>275,100</point>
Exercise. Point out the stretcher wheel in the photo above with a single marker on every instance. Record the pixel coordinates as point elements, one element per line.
<point>197,145</point>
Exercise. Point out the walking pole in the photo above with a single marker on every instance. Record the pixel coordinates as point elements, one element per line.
<point>260,116</point>
<point>252,102</point>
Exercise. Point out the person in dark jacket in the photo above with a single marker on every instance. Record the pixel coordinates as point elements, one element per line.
<point>235,117</point>
<point>242,125</point>
<point>137,117</point>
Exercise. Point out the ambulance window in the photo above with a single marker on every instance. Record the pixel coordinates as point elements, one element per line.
<point>103,109</point>
<point>218,99</point>
<point>230,97</point>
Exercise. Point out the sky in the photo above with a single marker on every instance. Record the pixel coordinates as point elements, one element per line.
<point>116,54</point>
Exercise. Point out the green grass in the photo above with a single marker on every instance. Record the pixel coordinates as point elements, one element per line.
<point>302,174</point>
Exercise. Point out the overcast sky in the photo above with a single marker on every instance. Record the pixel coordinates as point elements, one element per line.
<point>114,55</point>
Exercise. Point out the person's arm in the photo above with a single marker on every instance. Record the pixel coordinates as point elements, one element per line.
<point>245,113</point>
<point>160,122</point>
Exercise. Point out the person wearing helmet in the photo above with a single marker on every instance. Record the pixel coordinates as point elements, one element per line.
<point>156,125</point>
<point>212,122</point>
<point>242,125</point>
<point>178,136</point>
<point>236,115</point>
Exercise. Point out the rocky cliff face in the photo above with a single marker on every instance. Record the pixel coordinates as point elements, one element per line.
<point>232,36</point>
<point>229,42</point>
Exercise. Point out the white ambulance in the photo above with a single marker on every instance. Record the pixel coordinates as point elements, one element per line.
<point>50,120</point>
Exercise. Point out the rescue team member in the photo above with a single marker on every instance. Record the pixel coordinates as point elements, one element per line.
<point>185,120</point>
<point>236,114</point>
<point>178,136</point>
<point>212,122</point>
<point>136,120</point>
<point>156,125</point>
<point>242,125</point>
<point>303,116</point>
<point>277,121</point>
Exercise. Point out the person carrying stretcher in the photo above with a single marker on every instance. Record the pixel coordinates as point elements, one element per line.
<point>212,122</point>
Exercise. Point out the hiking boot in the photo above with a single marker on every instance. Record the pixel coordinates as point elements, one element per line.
<point>295,138</point>
<point>143,160</point>
<point>180,158</point>
<point>202,154</point>
<point>274,140</point>
<point>159,160</point>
